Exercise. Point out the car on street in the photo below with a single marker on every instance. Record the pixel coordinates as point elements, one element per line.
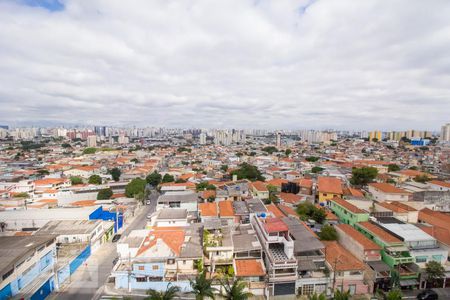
<point>427,295</point>
<point>116,238</point>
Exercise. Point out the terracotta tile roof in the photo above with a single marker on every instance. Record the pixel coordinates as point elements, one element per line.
<point>259,186</point>
<point>360,238</point>
<point>274,210</point>
<point>186,176</point>
<point>379,232</point>
<point>288,211</point>
<point>304,182</point>
<point>84,203</point>
<point>173,238</point>
<point>277,182</point>
<point>52,201</point>
<point>47,181</point>
<point>330,185</point>
<point>434,218</point>
<point>249,267</point>
<point>226,209</point>
<point>348,206</point>
<point>355,192</point>
<point>441,183</point>
<point>373,162</point>
<point>340,258</point>
<point>208,193</point>
<point>275,225</point>
<point>387,188</point>
<point>412,173</point>
<point>439,233</point>
<point>290,198</point>
<point>397,206</point>
<point>208,209</point>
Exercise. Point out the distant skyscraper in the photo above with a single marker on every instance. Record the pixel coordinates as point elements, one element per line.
<point>202,138</point>
<point>445,133</point>
<point>92,141</point>
<point>375,135</point>
<point>278,136</point>
<point>4,127</point>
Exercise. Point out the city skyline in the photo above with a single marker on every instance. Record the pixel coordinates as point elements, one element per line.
<point>241,64</point>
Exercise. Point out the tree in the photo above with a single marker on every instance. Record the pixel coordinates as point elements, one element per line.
<point>312,158</point>
<point>115,174</point>
<point>95,179</point>
<point>339,295</point>
<point>76,180</point>
<point>202,287</point>
<point>90,150</point>
<point>135,160</point>
<point>134,187</point>
<point>363,176</point>
<point>235,291</point>
<point>205,186</point>
<point>435,272</point>
<point>315,296</point>
<point>415,168</point>
<point>272,193</point>
<point>248,171</point>
<point>395,278</point>
<point>317,169</point>
<point>393,168</point>
<point>169,294</point>
<point>168,178</point>
<point>104,194</point>
<point>224,168</point>
<point>43,172</point>
<point>21,195</point>
<point>66,145</point>
<point>287,152</point>
<point>154,179</point>
<point>270,149</point>
<point>180,180</point>
<point>422,178</point>
<point>307,210</point>
<point>328,233</point>
<point>394,294</point>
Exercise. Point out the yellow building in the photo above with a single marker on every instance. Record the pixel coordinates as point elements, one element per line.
<point>328,188</point>
<point>375,135</point>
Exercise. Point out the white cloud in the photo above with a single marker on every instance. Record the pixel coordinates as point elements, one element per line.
<point>234,63</point>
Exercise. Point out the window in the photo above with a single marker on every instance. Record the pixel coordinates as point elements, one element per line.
<point>141,268</point>
<point>355,272</point>
<point>155,267</point>
<point>324,194</point>
<point>421,259</point>
<point>6,275</point>
<point>352,288</point>
<point>308,289</point>
<point>437,258</point>
<point>184,262</point>
<point>170,261</point>
<point>141,279</point>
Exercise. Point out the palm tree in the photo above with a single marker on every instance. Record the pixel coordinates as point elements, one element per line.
<point>202,287</point>
<point>235,291</point>
<point>169,294</point>
<point>317,297</point>
<point>338,295</point>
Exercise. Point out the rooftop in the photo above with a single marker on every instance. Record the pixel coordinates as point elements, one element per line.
<point>341,259</point>
<point>387,188</point>
<point>329,185</point>
<point>348,206</point>
<point>357,236</point>
<point>249,267</point>
<point>379,232</point>
<point>172,213</point>
<point>274,225</point>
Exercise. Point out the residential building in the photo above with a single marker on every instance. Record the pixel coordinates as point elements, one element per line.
<point>387,192</point>
<point>183,199</point>
<point>328,188</point>
<point>445,133</point>
<point>347,212</point>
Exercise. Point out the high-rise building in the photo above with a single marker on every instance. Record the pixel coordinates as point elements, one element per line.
<point>445,133</point>
<point>202,138</point>
<point>92,141</point>
<point>375,135</point>
<point>278,143</point>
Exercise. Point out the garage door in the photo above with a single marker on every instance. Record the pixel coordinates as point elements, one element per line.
<point>284,289</point>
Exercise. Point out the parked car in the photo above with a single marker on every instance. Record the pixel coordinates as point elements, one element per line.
<point>427,295</point>
<point>116,238</point>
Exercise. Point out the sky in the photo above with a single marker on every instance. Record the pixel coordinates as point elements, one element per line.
<point>281,64</point>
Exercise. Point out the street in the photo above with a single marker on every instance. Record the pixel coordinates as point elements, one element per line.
<point>88,281</point>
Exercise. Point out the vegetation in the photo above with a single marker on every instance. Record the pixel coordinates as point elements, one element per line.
<point>76,180</point>
<point>43,172</point>
<point>21,195</point>
<point>154,179</point>
<point>339,295</point>
<point>363,176</point>
<point>134,187</point>
<point>224,168</point>
<point>247,171</point>
<point>394,294</point>
<point>115,174</point>
<point>104,194</point>
<point>315,296</point>
<point>435,273</point>
<point>317,169</point>
<point>272,193</point>
<point>135,160</point>
<point>169,294</point>
<point>168,178</point>
<point>205,186</point>
<point>179,180</point>
<point>202,287</point>
<point>308,210</point>
<point>270,149</point>
<point>184,149</point>
<point>95,179</point>
<point>328,233</point>
<point>66,145</point>
<point>90,150</point>
<point>422,178</point>
<point>235,291</point>
<point>413,168</point>
<point>393,168</point>
<point>312,158</point>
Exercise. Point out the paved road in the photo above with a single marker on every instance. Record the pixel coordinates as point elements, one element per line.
<point>88,281</point>
<point>442,293</point>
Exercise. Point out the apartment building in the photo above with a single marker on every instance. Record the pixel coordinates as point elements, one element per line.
<point>387,192</point>
<point>347,212</point>
<point>328,188</point>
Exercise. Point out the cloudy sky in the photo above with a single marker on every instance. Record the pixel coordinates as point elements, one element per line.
<point>234,63</point>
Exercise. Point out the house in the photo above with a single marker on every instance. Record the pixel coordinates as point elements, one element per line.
<point>260,190</point>
<point>179,199</point>
<point>437,185</point>
<point>347,212</point>
<point>387,192</point>
<point>346,271</point>
<point>291,200</point>
<point>394,253</point>
<point>252,272</point>
<point>218,246</point>
<point>400,211</point>
<point>208,210</point>
<point>405,175</point>
<point>305,185</point>
<point>171,217</point>
<point>310,254</point>
<point>328,188</point>
<point>278,247</point>
<point>26,266</point>
<point>226,211</point>
<point>82,171</point>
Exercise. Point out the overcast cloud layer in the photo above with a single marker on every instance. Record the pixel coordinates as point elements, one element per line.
<point>344,64</point>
